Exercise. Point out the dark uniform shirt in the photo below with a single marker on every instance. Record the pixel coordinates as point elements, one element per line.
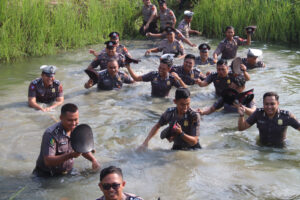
<point>160,87</point>
<point>188,78</point>
<point>175,47</point>
<point>219,82</point>
<point>106,82</point>
<point>258,64</point>
<point>272,132</point>
<point>125,196</point>
<point>42,94</point>
<point>209,60</point>
<point>229,48</point>
<point>229,108</point>
<point>184,27</point>
<point>190,125</point>
<point>103,59</point>
<point>55,142</point>
<point>166,16</point>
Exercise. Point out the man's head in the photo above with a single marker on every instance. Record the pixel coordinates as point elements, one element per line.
<point>169,24</point>
<point>182,100</point>
<point>229,32</point>
<point>166,62</point>
<point>238,83</point>
<point>162,4</point>
<point>111,48</point>
<point>271,103</point>
<point>48,73</point>
<point>189,62</point>
<point>147,2</point>
<point>170,33</point>
<point>112,67</point>
<point>114,36</point>
<point>69,116</point>
<point>204,49</point>
<point>252,56</point>
<point>111,183</point>
<point>222,68</point>
<point>188,16</point>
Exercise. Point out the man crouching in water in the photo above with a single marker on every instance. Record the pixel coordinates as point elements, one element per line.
<point>184,124</point>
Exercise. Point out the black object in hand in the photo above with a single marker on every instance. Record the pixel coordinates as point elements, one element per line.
<point>93,75</point>
<point>82,140</point>
<point>129,60</point>
<point>250,29</point>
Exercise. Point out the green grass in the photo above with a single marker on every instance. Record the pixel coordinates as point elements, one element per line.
<point>277,20</point>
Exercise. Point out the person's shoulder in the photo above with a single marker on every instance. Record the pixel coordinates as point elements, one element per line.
<point>223,41</point>
<point>56,82</point>
<point>284,112</point>
<point>130,196</point>
<point>213,74</point>
<point>55,129</point>
<point>193,113</point>
<point>170,110</point>
<point>36,81</point>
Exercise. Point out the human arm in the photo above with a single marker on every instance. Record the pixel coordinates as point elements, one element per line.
<point>55,160</point>
<point>58,102</point>
<point>152,17</point>
<point>92,51</point>
<point>32,103</point>
<point>153,132</point>
<point>89,156</point>
<point>217,52</point>
<point>242,123</point>
<point>133,74</point>
<point>177,78</point>
<point>194,32</point>
<point>154,50</point>
<point>156,35</point>
<point>89,84</point>
<point>248,39</point>
<point>191,140</point>
<point>244,70</point>
<point>207,111</point>
<point>187,41</point>
<point>202,83</point>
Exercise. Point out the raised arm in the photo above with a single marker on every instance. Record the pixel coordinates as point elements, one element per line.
<point>133,74</point>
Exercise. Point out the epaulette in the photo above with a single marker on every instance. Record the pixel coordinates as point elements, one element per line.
<point>134,198</point>
<point>260,109</point>
<point>171,109</point>
<point>36,81</point>
<point>213,73</point>
<point>56,82</point>
<point>223,41</point>
<point>284,112</point>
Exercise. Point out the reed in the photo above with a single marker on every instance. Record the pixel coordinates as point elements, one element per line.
<point>277,20</point>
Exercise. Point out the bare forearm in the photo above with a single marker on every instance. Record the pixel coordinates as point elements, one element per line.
<point>133,75</point>
<point>246,75</point>
<point>51,161</point>
<point>151,134</point>
<point>248,39</point>
<point>242,123</point>
<point>58,102</point>
<point>191,140</point>
<point>249,111</point>
<point>89,156</point>
<point>32,103</point>
<point>187,41</point>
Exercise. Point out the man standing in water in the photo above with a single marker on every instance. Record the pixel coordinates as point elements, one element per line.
<point>185,25</point>
<point>45,90</point>
<point>165,15</point>
<point>204,59</point>
<point>112,185</point>
<point>184,124</point>
<point>271,122</point>
<point>56,155</point>
<point>149,18</point>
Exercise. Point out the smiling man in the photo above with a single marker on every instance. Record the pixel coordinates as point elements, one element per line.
<point>112,185</point>
<point>271,122</point>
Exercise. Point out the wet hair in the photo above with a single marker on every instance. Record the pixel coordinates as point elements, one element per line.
<point>222,62</point>
<point>110,170</point>
<point>271,94</point>
<point>182,93</point>
<point>229,27</point>
<point>69,107</point>
<point>240,81</point>
<point>190,56</point>
<point>112,60</point>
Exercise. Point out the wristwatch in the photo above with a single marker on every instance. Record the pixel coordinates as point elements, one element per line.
<point>181,134</point>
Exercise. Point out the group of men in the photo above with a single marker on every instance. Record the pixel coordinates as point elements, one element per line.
<point>56,155</point>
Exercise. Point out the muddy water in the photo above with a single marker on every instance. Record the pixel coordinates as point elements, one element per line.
<point>230,165</point>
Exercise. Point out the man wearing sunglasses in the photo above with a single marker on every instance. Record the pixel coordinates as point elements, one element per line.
<point>112,185</point>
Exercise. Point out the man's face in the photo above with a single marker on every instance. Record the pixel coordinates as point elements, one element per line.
<point>147,2</point>
<point>47,80</point>
<point>163,6</point>
<point>171,36</point>
<point>182,105</point>
<point>270,105</point>
<point>236,87</point>
<point>222,70</point>
<point>204,55</point>
<point>69,120</point>
<point>115,40</point>
<point>188,65</point>
<point>252,60</point>
<point>113,68</point>
<point>112,186</point>
<point>163,69</point>
<point>111,51</point>
<point>188,19</point>
<point>229,33</point>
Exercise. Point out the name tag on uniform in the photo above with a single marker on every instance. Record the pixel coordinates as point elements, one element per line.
<point>155,79</point>
<point>228,81</point>
<point>185,123</point>
<point>168,83</point>
<point>63,143</point>
<point>280,122</point>
<point>53,90</point>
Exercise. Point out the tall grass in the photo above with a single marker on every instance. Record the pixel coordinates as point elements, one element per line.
<point>36,27</point>
<point>277,20</point>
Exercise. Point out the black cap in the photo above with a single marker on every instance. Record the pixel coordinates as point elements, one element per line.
<point>170,30</point>
<point>114,35</point>
<point>161,2</point>
<point>182,93</point>
<point>82,140</point>
<point>110,44</point>
<point>222,62</point>
<point>204,47</point>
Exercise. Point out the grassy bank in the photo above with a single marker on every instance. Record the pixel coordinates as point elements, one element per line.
<point>277,20</point>
<point>36,27</point>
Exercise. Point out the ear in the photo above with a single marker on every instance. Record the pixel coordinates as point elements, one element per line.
<point>174,101</point>
<point>124,183</point>
<point>60,117</point>
<point>100,186</point>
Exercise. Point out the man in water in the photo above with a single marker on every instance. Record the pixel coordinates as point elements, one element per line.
<point>204,59</point>
<point>185,25</point>
<point>228,47</point>
<point>149,18</point>
<point>169,45</point>
<point>271,122</point>
<point>112,185</point>
<point>251,61</point>
<point>184,124</point>
<point>45,90</point>
<point>165,15</point>
<point>161,80</point>
<point>56,155</point>
<point>111,78</point>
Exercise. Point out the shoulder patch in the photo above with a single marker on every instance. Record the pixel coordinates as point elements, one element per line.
<point>171,109</point>
<point>52,142</point>
<point>56,82</point>
<point>284,112</point>
<point>260,110</point>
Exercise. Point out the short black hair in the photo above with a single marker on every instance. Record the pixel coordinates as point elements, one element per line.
<point>222,62</point>
<point>110,170</point>
<point>190,56</point>
<point>182,93</point>
<point>229,27</point>
<point>240,80</point>
<point>69,107</point>
<point>271,94</point>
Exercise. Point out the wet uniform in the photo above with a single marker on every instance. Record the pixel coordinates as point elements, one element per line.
<point>209,60</point>
<point>106,82</point>
<point>55,142</point>
<point>42,94</point>
<point>184,28</point>
<point>229,48</point>
<point>258,64</point>
<point>147,12</point>
<point>103,59</point>
<point>229,108</point>
<point>166,16</point>
<point>125,196</point>
<point>272,132</point>
<point>190,125</point>
<point>175,47</point>
<point>160,87</point>
<point>219,82</point>
<point>187,78</point>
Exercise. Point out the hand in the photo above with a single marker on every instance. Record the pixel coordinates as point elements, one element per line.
<point>177,129</point>
<point>89,84</point>
<point>171,139</point>
<point>175,75</point>
<point>148,34</point>
<point>241,110</point>
<point>75,154</point>
<point>47,109</point>
<point>142,147</point>
<point>92,51</point>
<point>215,61</point>
<point>194,45</point>
<point>208,73</point>
<point>197,81</point>
<point>243,67</point>
<point>198,32</point>
<point>95,165</point>
<point>147,53</point>
<point>200,111</point>
<point>146,27</point>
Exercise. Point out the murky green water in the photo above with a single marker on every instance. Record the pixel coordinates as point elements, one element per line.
<point>230,165</point>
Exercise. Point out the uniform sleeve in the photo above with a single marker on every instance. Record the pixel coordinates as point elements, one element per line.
<point>195,128</point>
<point>153,9</point>
<point>60,92</point>
<point>180,49</point>
<point>209,78</point>
<point>172,15</point>
<point>32,90</point>
<point>180,26</point>
<point>219,49</point>
<point>252,119</point>
<point>95,63</point>
<point>161,46</point>
<point>148,77</point>
<point>176,83</point>
<point>48,145</point>
<point>293,122</point>
<point>219,103</point>
<point>127,79</point>
<point>164,119</point>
